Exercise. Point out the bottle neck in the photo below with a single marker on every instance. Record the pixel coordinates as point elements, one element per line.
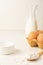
<point>33,11</point>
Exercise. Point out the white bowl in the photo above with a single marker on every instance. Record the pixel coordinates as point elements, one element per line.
<point>6,47</point>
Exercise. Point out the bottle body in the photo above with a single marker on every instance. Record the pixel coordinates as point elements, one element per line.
<point>31,24</point>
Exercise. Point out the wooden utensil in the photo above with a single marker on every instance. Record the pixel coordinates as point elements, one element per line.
<point>34,57</point>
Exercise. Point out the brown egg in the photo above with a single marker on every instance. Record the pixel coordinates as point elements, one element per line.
<point>36,38</point>
<point>32,38</point>
<point>33,35</point>
<point>40,40</point>
<point>39,31</point>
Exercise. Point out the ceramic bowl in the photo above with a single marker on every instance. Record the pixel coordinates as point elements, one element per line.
<point>6,47</point>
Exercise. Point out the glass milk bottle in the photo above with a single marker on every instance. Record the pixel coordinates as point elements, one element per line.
<point>31,24</point>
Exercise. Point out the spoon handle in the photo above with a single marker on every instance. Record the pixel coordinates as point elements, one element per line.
<point>40,53</point>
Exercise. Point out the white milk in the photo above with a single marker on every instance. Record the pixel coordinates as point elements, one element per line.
<point>31,24</point>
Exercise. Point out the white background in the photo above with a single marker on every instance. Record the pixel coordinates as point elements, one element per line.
<point>14,13</point>
<point>13,16</point>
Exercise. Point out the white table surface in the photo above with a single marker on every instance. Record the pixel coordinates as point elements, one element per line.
<point>21,49</point>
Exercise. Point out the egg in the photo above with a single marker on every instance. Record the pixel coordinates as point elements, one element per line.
<point>39,31</point>
<point>35,38</point>
<point>40,40</point>
<point>33,35</point>
<point>32,38</point>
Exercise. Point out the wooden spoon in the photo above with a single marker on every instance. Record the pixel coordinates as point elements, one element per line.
<point>34,57</point>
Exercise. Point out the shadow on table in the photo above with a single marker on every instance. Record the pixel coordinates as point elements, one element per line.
<point>15,52</point>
